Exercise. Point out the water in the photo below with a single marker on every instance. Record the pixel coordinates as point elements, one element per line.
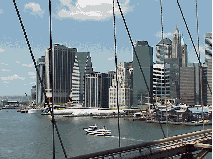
<point>30,135</point>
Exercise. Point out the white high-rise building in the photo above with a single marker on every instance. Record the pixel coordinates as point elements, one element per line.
<point>75,92</point>
<point>124,86</point>
<point>161,84</point>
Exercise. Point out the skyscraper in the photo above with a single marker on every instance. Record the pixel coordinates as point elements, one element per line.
<point>83,65</point>
<point>63,62</point>
<point>161,81</point>
<point>97,90</point>
<point>176,44</point>
<point>124,86</point>
<point>145,57</point>
<point>164,50</point>
<point>184,57</point>
<point>39,90</point>
<point>208,62</point>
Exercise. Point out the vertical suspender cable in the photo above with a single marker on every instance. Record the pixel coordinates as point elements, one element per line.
<point>161,13</point>
<point>116,72</point>
<point>51,79</point>
<point>198,43</point>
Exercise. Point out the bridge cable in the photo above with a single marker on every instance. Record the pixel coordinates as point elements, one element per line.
<point>32,55</point>
<point>150,95</point>
<point>51,77</point>
<point>161,12</point>
<point>116,72</point>
<point>135,54</point>
<point>200,65</point>
<point>30,49</point>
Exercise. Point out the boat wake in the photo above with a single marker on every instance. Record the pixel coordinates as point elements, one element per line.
<point>124,138</point>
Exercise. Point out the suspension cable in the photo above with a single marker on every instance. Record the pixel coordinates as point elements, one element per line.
<point>192,42</point>
<point>136,55</point>
<point>30,49</point>
<point>51,80</point>
<point>34,62</point>
<point>116,72</point>
<point>161,12</point>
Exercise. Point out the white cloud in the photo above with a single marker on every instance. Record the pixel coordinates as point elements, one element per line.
<point>33,77</point>
<point>1,50</point>
<point>17,62</point>
<point>6,64</point>
<point>12,77</point>
<point>111,58</point>
<point>1,11</point>
<point>31,73</point>
<point>30,65</point>
<point>5,82</point>
<point>2,63</point>
<point>5,70</point>
<point>165,35</point>
<point>93,10</point>
<point>32,83</point>
<point>35,9</point>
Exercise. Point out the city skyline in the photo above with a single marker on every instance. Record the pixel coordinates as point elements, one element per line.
<point>89,34</point>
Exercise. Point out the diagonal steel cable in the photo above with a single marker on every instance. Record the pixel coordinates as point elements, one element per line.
<point>34,62</point>
<point>116,67</point>
<point>136,55</point>
<point>30,49</point>
<point>200,65</point>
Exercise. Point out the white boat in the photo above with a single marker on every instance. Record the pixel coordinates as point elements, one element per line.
<point>103,132</point>
<point>91,129</point>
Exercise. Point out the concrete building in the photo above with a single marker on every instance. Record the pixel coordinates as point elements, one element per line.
<point>75,92</point>
<point>39,91</point>
<point>174,78</point>
<point>124,87</point>
<point>198,83</point>
<point>184,52</point>
<point>161,81</point>
<point>33,93</point>
<point>97,89</point>
<point>83,65</point>
<point>145,55</point>
<point>187,85</point>
<point>164,50</point>
<point>208,62</point>
<point>176,46</point>
<point>60,77</point>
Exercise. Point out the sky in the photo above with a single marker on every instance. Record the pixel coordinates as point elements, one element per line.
<point>88,26</point>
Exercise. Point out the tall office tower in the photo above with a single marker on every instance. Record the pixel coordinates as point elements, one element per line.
<point>84,66</point>
<point>187,85</point>
<point>161,84</point>
<point>75,92</point>
<point>63,62</point>
<point>208,61</point>
<point>145,57</point>
<point>198,83</point>
<point>124,86</point>
<point>97,90</point>
<point>184,52</point>
<point>176,46</point>
<point>39,91</point>
<point>164,50</point>
<point>174,78</point>
<point>33,93</point>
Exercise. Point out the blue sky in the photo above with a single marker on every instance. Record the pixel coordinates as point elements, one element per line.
<point>88,26</point>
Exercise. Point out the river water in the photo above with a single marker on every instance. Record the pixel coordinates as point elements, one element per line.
<point>30,135</point>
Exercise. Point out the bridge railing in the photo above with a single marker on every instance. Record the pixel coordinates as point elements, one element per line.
<point>112,152</point>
